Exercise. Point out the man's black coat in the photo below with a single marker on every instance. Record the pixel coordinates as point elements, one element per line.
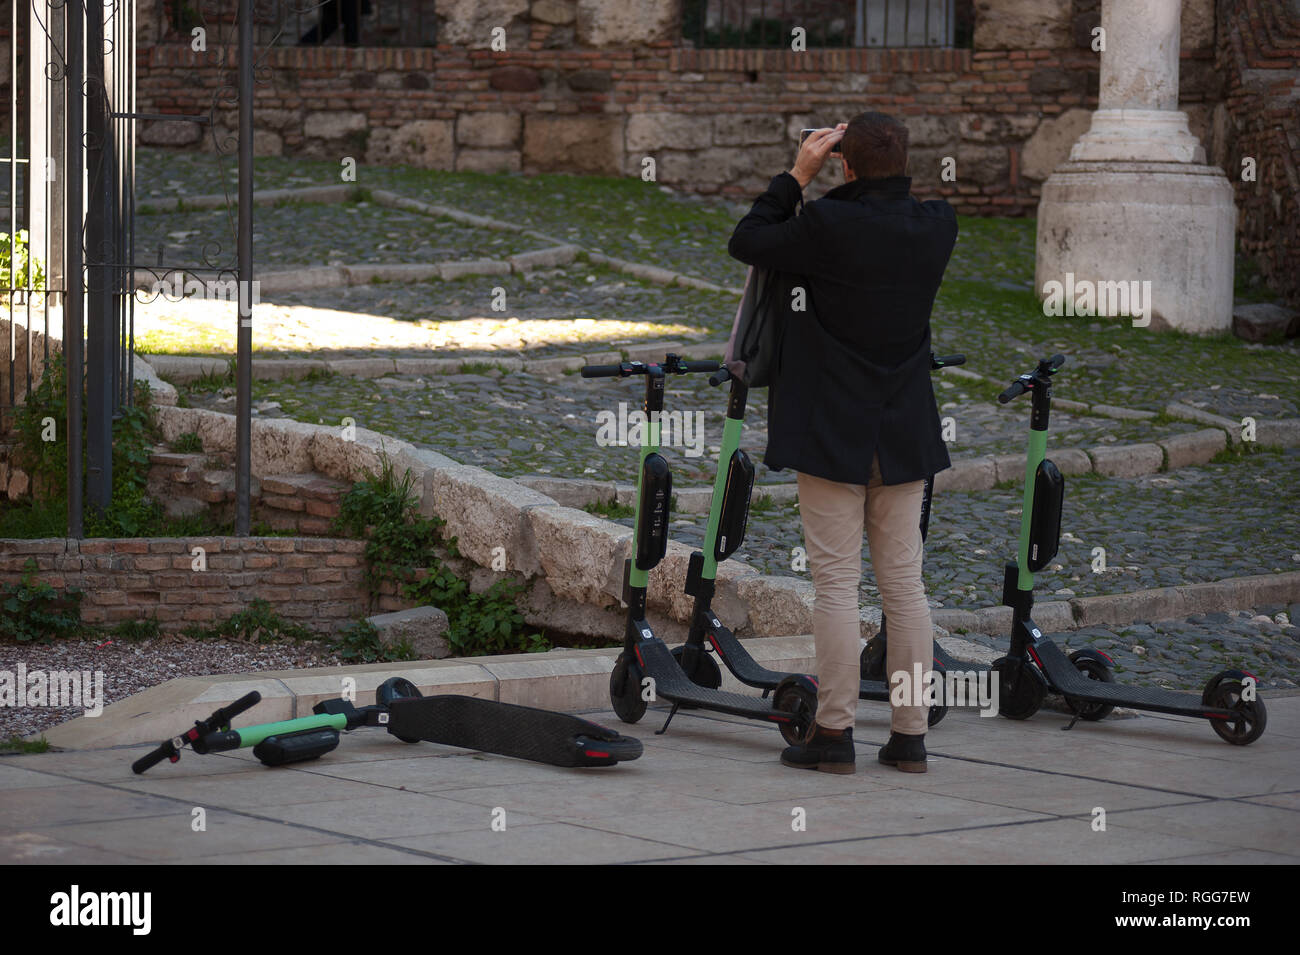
<point>853,375</point>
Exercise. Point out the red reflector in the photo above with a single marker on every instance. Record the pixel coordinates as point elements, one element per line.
<point>597,755</point>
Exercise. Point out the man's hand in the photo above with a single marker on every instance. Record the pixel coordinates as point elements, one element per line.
<point>813,153</point>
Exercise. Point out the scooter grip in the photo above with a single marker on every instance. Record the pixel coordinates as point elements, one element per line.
<point>602,371</point>
<point>693,366</point>
<point>719,376</point>
<point>246,702</point>
<point>1016,390</point>
<point>946,361</point>
<point>151,760</point>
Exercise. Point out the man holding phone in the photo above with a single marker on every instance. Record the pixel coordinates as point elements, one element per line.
<point>852,410</point>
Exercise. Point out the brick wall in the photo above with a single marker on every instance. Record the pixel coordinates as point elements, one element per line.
<point>1259,56</point>
<point>314,582</point>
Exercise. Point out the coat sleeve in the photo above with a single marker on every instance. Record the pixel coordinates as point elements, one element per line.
<point>771,236</point>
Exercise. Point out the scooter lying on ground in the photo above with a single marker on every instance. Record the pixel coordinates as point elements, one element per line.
<point>524,732</point>
<point>646,668</point>
<point>1035,665</point>
<point>728,516</point>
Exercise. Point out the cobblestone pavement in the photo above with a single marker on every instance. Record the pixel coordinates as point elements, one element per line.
<point>1234,517</point>
<point>1187,526</point>
<point>1185,653</point>
<point>344,232</point>
<point>516,423</point>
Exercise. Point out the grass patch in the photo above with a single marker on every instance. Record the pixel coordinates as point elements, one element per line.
<point>256,623</point>
<point>609,509</point>
<point>187,443</point>
<point>17,745</point>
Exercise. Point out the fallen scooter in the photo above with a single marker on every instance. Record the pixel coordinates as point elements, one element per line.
<point>523,732</point>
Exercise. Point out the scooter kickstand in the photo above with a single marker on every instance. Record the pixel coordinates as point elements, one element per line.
<point>671,713</point>
<point>1070,726</point>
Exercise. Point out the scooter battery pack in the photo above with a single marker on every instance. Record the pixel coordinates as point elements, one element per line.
<point>1045,524</point>
<point>296,747</point>
<point>735,505</point>
<point>652,522</point>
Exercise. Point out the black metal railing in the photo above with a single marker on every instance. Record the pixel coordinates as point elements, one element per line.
<point>771,24</point>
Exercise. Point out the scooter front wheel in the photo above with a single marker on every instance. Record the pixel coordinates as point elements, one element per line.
<point>1224,692</point>
<point>1021,688</point>
<point>625,689</point>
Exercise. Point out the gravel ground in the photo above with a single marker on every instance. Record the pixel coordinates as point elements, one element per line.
<point>131,667</point>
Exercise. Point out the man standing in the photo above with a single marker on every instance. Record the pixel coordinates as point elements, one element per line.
<point>852,409</point>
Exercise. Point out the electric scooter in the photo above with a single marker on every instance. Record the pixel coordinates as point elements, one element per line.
<point>724,533</point>
<point>647,669</point>
<point>1034,664</point>
<point>524,732</point>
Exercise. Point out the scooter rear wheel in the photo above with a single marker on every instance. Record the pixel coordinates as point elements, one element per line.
<point>1224,692</point>
<point>872,660</point>
<point>791,697</point>
<point>396,688</point>
<point>1093,670</point>
<point>625,689</point>
<point>940,708</point>
<point>704,673</point>
<point>1021,688</point>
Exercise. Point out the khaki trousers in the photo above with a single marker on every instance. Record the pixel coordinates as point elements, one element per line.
<point>834,516</point>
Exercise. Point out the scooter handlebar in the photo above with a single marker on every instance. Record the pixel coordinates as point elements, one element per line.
<point>946,361</point>
<point>218,720</point>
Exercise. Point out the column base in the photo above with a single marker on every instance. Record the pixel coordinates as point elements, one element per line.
<point>1172,225</point>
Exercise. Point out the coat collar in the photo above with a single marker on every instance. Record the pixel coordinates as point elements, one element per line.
<point>895,187</point>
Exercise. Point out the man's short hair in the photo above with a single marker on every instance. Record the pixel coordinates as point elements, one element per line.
<point>875,146</point>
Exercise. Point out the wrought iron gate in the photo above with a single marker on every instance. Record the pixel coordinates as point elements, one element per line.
<point>69,194</point>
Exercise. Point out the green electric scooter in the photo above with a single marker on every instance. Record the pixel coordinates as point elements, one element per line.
<point>1034,664</point>
<point>647,669</point>
<point>728,517</point>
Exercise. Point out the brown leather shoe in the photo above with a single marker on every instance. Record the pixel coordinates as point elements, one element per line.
<point>828,751</point>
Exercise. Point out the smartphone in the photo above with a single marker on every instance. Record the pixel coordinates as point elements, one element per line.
<point>803,134</point>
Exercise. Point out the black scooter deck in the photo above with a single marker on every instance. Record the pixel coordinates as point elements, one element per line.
<point>752,673</point>
<point>1068,681</point>
<point>523,732</point>
<point>674,686</point>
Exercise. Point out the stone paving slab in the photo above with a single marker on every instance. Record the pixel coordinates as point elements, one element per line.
<point>710,791</point>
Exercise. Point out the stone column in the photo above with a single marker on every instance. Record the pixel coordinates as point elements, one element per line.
<point>1136,202</point>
